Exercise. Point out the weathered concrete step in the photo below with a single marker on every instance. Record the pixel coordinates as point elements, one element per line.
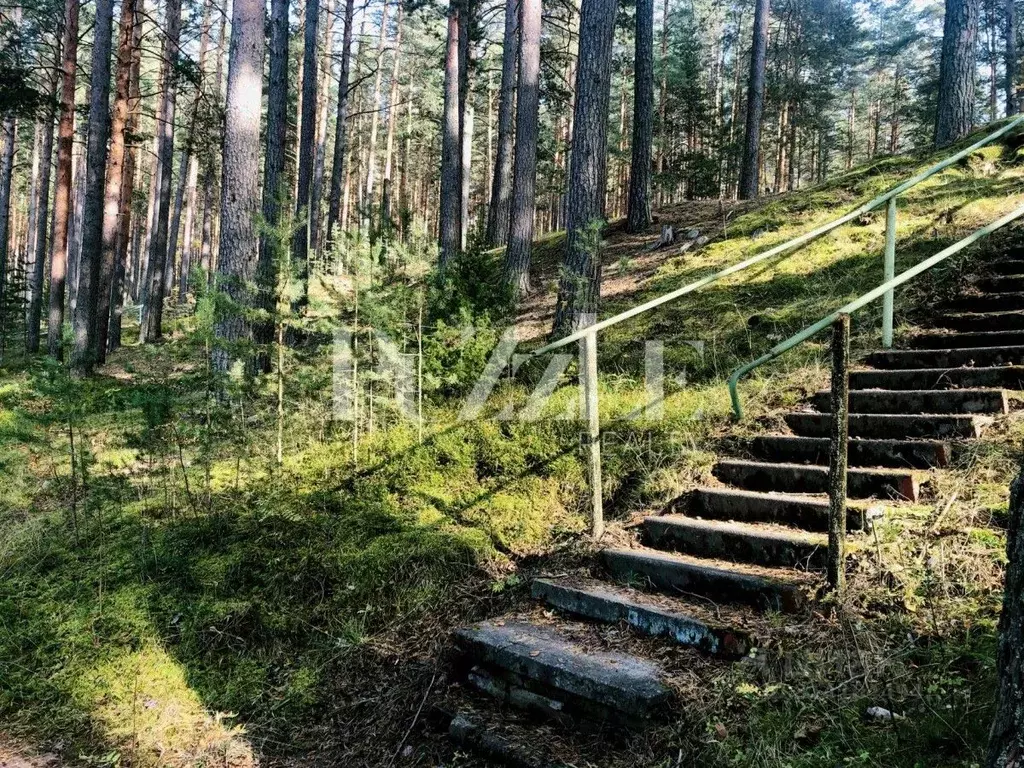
<point>1006,267</point>
<point>914,454</point>
<point>613,604</point>
<point>805,511</point>
<point>981,320</point>
<point>494,746</point>
<point>965,340</point>
<point>804,478</point>
<point>919,401</point>
<point>542,655</point>
<point>893,425</point>
<point>946,358</point>
<point>1007,283</point>
<point>723,582</point>
<point>1003,376</point>
<point>739,542</point>
<point>986,302</point>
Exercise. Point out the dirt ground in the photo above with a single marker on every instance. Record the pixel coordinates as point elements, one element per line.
<point>13,755</point>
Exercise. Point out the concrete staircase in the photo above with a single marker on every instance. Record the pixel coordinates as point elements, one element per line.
<point>756,540</point>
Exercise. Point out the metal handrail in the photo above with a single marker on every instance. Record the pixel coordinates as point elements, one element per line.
<point>882,290</point>
<point>789,245</point>
<point>588,334</point>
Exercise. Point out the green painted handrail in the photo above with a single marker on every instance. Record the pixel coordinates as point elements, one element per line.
<point>861,301</point>
<point>789,245</point>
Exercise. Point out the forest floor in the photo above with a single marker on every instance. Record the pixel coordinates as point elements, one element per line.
<point>171,595</point>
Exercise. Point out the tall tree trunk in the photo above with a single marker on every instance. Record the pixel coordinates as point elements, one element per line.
<point>450,210</point>
<point>10,140</point>
<point>85,353</point>
<point>1006,738</point>
<point>366,215</point>
<point>501,185</point>
<point>114,207</point>
<point>307,135</point>
<point>340,127</point>
<point>955,116</point>
<point>272,248</point>
<point>993,79</point>
<point>638,211</point>
<point>240,194</point>
<point>750,171</point>
<point>174,230</point>
<point>126,243</point>
<point>389,148</point>
<point>662,103</point>
<point>62,193</point>
<point>34,310</point>
<point>153,310</point>
<point>579,288</point>
<point>1010,20</point>
<point>322,107</point>
<point>520,240</point>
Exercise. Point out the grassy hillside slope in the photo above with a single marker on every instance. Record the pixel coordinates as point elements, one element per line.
<point>171,595</point>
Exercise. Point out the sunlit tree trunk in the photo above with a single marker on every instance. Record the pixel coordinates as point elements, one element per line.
<point>371,155</point>
<point>450,210</point>
<point>638,211</point>
<point>307,136</point>
<point>750,171</point>
<point>501,184</point>
<point>341,127</point>
<point>85,353</point>
<point>316,193</point>
<point>389,149</point>
<point>580,284</point>
<point>114,208</point>
<point>1010,64</point>
<point>955,116</point>
<point>152,325</point>
<point>240,194</point>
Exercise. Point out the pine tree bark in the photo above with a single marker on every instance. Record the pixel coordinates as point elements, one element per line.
<point>307,136</point>
<point>34,310</point>
<point>638,209</point>
<point>316,192</point>
<point>955,116</point>
<point>579,288</point>
<point>750,170</point>
<point>1006,738</point>
<point>520,239</point>
<point>10,140</point>
<point>1011,65</point>
<point>450,209</point>
<point>62,192</point>
<point>340,127</point>
<point>240,194</point>
<point>386,224</point>
<point>371,155</point>
<point>153,310</point>
<point>114,207</point>
<point>501,184</point>
<point>85,353</point>
<point>271,246</point>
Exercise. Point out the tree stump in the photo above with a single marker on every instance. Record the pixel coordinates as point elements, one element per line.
<point>1006,739</point>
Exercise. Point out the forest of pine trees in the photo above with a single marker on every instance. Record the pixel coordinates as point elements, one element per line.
<point>153,148</point>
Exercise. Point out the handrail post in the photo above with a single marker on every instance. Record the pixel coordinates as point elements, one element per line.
<point>890,272</point>
<point>835,570</point>
<point>588,373</point>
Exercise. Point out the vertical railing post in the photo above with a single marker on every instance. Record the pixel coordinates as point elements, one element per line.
<point>890,272</point>
<point>588,372</point>
<point>837,453</point>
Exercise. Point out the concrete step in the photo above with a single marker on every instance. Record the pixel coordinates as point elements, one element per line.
<point>804,478</point>
<point>1003,376</point>
<point>1013,283</point>
<point>919,401</point>
<point>648,614</point>
<point>964,340</point>
<point>946,358</point>
<point>739,542</point>
<point>892,425</point>
<point>494,746</point>
<point>1005,267</point>
<point>986,302</point>
<point>981,320</point>
<point>552,661</point>
<point>722,582</point>
<point>803,511</point>
<point>912,454</point>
